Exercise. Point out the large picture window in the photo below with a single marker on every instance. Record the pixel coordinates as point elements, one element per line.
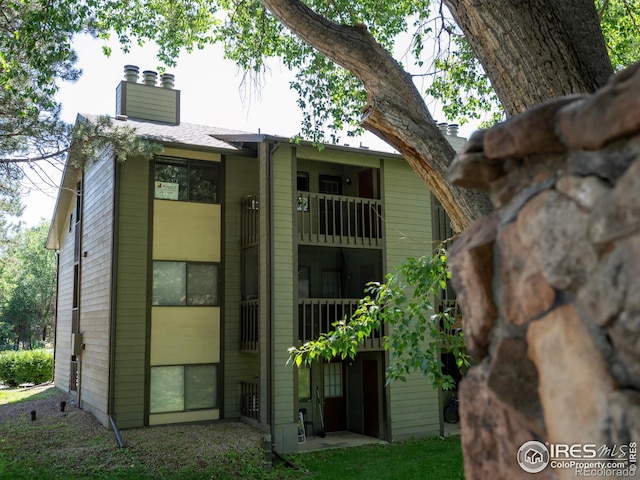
<point>187,180</point>
<point>185,283</point>
<point>179,388</point>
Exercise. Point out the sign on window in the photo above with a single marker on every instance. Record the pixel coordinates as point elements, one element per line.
<point>167,190</point>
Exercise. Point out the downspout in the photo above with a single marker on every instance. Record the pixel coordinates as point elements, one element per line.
<point>116,431</point>
<point>113,302</point>
<point>55,319</point>
<point>270,315</point>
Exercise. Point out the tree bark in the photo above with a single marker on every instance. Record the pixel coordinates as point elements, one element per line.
<point>534,50</point>
<point>396,111</point>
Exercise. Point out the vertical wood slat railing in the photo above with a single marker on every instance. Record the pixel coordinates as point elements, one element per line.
<point>249,221</point>
<point>317,315</point>
<point>450,305</point>
<point>339,220</point>
<point>250,395</point>
<point>73,377</point>
<point>249,323</point>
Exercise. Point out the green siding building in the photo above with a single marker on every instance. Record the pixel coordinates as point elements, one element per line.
<point>184,279</point>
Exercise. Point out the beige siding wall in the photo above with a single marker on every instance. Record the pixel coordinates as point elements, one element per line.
<point>95,281</point>
<point>131,310</point>
<point>65,305</point>
<point>186,231</point>
<point>413,404</point>
<point>241,178</point>
<point>283,291</point>
<point>182,335</point>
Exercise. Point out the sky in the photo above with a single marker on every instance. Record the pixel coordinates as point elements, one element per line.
<point>212,93</point>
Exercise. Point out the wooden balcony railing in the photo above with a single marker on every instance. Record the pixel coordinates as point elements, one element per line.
<point>338,220</point>
<point>73,377</point>
<point>450,306</point>
<point>249,221</point>
<point>249,323</point>
<point>250,395</point>
<point>317,315</point>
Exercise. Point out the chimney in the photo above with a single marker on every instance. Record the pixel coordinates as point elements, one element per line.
<point>149,77</point>
<point>131,73</point>
<point>453,129</point>
<point>146,100</point>
<point>167,80</point>
<point>443,127</point>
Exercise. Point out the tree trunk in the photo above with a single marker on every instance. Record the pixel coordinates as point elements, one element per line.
<point>534,50</point>
<point>396,111</point>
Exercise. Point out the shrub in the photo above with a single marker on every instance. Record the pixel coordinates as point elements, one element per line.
<point>26,366</point>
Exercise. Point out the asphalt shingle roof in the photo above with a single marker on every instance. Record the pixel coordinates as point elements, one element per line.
<point>183,134</point>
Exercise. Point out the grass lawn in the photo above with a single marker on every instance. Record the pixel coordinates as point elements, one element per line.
<point>70,445</point>
<point>19,395</point>
<point>427,459</point>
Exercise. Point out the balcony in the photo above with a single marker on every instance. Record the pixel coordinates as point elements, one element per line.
<point>73,377</point>
<point>250,400</point>
<point>324,219</point>
<point>316,316</point>
<point>249,322</point>
<point>249,232</point>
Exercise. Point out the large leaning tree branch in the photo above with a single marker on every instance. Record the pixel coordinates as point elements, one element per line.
<point>396,111</point>
<point>532,50</point>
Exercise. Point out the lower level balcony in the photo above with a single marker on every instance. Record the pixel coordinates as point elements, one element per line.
<point>317,316</point>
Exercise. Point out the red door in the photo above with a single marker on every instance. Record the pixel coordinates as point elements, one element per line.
<point>335,411</point>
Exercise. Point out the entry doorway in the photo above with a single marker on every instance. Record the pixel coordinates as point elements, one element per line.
<point>335,411</point>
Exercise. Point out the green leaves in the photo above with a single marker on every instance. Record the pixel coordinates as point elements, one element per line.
<point>90,137</point>
<point>462,86</point>
<point>417,334</point>
<point>27,287</point>
<point>175,26</point>
<point>620,23</point>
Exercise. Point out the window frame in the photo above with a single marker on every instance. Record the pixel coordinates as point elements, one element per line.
<point>189,164</point>
<point>216,398</point>
<point>186,284</point>
<point>332,380</point>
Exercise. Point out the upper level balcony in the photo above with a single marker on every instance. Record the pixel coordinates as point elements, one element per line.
<point>338,220</point>
<point>249,232</point>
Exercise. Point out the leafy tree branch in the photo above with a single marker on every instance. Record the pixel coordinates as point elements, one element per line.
<point>418,333</point>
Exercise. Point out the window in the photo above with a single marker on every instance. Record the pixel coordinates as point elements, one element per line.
<point>331,284</point>
<point>304,384</point>
<point>185,283</point>
<point>179,388</point>
<point>302,181</point>
<point>187,181</point>
<point>333,379</point>
<point>304,282</point>
<point>330,184</point>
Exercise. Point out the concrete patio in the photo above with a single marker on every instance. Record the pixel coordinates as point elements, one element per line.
<point>337,440</point>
